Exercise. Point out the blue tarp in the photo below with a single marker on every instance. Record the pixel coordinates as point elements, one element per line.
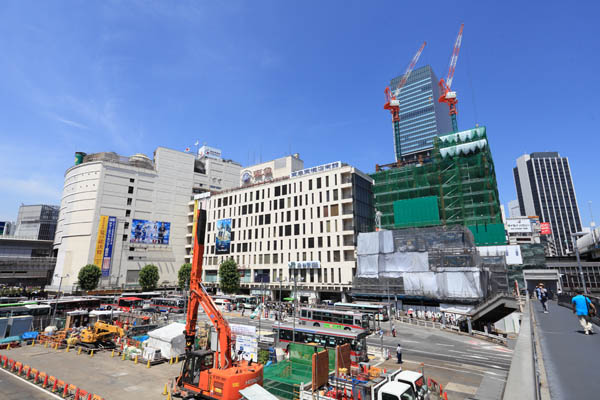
<point>140,338</point>
<point>29,335</point>
<point>10,339</point>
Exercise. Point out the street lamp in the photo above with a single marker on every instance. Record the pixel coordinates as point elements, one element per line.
<point>296,279</point>
<point>280,280</point>
<point>574,237</point>
<point>57,295</point>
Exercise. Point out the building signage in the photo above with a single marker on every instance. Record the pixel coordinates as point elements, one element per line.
<point>518,225</point>
<point>545,228</point>
<point>319,168</point>
<point>259,175</point>
<point>304,264</point>
<point>150,232</point>
<point>210,152</point>
<point>104,243</point>
<point>223,238</point>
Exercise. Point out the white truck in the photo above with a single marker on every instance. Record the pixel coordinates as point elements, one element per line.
<point>397,385</point>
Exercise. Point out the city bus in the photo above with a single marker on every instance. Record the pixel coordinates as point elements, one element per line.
<point>10,300</point>
<point>246,301</point>
<point>376,311</point>
<point>172,304</point>
<point>335,319</point>
<point>65,304</point>
<point>124,304</point>
<point>143,295</point>
<point>17,304</point>
<point>326,337</point>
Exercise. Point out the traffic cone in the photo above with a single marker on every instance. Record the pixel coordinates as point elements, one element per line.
<point>65,390</point>
<point>92,353</point>
<point>148,365</point>
<point>165,391</point>
<point>170,362</point>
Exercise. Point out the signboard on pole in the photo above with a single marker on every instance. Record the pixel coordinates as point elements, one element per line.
<point>245,339</point>
<point>545,228</point>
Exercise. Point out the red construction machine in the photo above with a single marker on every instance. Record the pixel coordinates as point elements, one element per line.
<point>208,374</point>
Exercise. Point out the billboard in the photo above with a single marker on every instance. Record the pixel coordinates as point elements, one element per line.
<point>223,237</point>
<point>545,228</point>
<point>150,232</point>
<point>104,243</point>
<point>518,225</point>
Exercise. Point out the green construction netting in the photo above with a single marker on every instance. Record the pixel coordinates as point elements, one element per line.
<point>284,378</point>
<point>465,185</point>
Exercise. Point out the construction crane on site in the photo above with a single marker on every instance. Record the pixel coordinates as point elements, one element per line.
<point>446,94</point>
<point>392,102</point>
<point>207,374</point>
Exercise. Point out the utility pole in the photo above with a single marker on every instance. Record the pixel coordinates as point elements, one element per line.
<point>574,236</point>
<point>57,296</point>
<point>387,285</point>
<point>294,308</point>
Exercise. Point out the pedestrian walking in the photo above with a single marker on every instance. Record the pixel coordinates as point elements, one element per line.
<point>544,297</point>
<point>538,292</point>
<point>243,311</point>
<point>584,309</point>
<point>393,330</point>
<point>399,353</point>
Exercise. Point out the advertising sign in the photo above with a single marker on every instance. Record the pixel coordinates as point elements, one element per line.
<point>244,337</point>
<point>223,238</point>
<point>545,228</point>
<point>150,232</point>
<point>304,264</point>
<point>518,225</point>
<point>104,243</point>
<point>111,228</point>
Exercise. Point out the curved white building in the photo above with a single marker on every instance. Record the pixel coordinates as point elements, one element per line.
<point>122,213</point>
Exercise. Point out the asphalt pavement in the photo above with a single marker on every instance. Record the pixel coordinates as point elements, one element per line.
<point>460,362</point>
<point>571,358</point>
<point>13,388</point>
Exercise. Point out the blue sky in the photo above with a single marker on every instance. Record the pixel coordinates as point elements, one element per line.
<point>259,79</point>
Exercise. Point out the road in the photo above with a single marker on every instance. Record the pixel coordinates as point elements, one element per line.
<point>14,388</point>
<point>461,362</point>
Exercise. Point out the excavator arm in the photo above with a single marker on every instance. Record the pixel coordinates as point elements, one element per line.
<point>199,297</point>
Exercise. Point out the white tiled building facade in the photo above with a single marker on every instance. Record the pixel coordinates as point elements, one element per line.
<point>124,189</point>
<point>302,226</point>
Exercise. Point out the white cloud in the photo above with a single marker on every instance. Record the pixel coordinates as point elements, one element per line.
<point>68,121</point>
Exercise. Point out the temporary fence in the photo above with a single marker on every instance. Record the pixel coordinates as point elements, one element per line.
<point>284,378</point>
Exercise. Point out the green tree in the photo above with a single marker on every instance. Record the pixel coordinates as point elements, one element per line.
<point>149,277</point>
<point>229,277</point>
<point>89,276</point>
<point>184,275</point>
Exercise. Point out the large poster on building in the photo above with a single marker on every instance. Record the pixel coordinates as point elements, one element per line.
<point>150,232</point>
<point>104,243</point>
<point>223,237</point>
<point>545,228</point>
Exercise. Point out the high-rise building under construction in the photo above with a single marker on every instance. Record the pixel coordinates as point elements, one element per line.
<point>422,117</point>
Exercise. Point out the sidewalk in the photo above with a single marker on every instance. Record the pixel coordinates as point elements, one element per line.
<point>570,358</point>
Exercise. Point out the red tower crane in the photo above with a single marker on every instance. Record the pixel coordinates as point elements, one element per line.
<point>447,95</point>
<point>391,101</point>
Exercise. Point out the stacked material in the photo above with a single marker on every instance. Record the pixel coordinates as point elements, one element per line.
<point>437,262</point>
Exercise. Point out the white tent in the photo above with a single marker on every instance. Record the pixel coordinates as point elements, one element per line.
<point>169,339</point>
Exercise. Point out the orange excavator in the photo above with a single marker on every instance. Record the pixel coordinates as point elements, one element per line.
<point>206,374</point>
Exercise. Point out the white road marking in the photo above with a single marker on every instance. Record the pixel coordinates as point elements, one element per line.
<point>52,395</point>
<point>442,344</point>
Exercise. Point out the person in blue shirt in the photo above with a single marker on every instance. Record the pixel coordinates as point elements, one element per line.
<point>582,306</point>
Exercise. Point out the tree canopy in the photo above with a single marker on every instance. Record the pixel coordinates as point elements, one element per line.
<point>184,275</point>
<point>89,276</point>
<point>229,277</point>
<point>149,277</point>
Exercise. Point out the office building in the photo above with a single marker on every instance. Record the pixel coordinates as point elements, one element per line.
<point>545,189</point>
<point>422,117</point>
<point>37,222</point>
<point>268,171</point>
<point>514,210</point>
<point>7,228</point>
<point>122,213</point>
<point>301,227</point>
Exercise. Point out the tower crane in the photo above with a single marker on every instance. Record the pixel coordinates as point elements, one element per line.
<point>391,99</point>
<point>446,94</point>
<point>206,374</point>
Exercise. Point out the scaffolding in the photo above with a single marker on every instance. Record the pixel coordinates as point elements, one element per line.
<point>460,174</point>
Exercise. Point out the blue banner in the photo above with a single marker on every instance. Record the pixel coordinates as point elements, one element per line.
<point>223,237</point>
<point>111,228</point>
